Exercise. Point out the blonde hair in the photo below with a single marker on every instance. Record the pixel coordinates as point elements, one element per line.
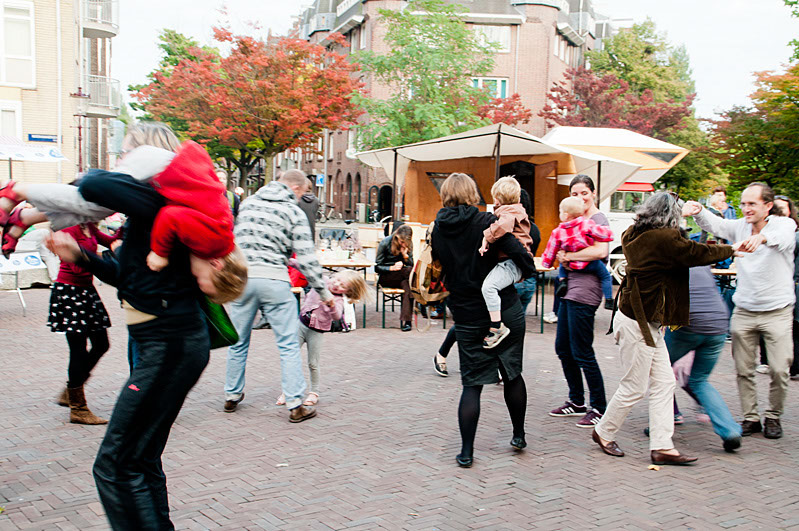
<point>572,206</point>
<point>459,189</point>
<point>231,279</point>
<point>356,288</point>
<point>155,134</point>
<point>506,191</point>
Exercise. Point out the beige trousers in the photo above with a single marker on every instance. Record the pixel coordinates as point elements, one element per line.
<point>645,367</point>
<point>746,328</point>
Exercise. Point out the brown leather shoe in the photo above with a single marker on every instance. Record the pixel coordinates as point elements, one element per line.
<point>772,429</point>
<point>660,458</point>
<point>748,427</point>
<point>611,448</point>
<point>298,414</point>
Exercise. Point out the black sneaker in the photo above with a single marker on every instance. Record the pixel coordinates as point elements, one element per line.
<point>609,304</point>
<point>563,288</point>
<point>262,324</point>
<point>569,410</point>
<point>231,405</point>
<point>441,368</point>
<point>748,427</point>
<point>730,445</point>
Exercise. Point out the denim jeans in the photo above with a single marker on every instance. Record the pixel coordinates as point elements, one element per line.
<point>526,291</point>
<point>706,351</point>
<point>281,311</point>
<point>574,344</point>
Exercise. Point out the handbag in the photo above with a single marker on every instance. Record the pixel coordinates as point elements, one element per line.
<point>221,331</point>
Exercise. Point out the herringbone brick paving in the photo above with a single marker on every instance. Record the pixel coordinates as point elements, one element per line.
<point>380,454</point>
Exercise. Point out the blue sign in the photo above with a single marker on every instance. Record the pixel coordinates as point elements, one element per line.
<point>320,180</point>
<point>42,138</point>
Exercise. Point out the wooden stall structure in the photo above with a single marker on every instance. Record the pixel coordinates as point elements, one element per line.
<point>486,154</point>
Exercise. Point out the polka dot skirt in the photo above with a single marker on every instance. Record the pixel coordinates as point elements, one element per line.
<point>76,309</point>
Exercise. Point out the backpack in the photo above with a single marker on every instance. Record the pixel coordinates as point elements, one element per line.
<point>426,280</point>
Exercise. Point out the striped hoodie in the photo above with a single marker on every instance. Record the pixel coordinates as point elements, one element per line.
<point>270,228</point>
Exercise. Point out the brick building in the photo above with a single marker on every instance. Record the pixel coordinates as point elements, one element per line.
<point>538,41</point>
<point>55,88</point>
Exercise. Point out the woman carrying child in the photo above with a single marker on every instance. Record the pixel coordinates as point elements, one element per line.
<point>574,339</point>
<point>77,311</point>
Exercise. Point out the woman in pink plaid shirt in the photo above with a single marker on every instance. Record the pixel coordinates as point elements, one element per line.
<point>573,234</point>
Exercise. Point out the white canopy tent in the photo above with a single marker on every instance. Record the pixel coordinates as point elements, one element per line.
<point>12,148</point>
<point>654,156</point>
<point>489,141</point>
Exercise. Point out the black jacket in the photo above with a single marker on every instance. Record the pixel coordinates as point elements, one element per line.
<point>170,292</point>
<point>456,238</point>
<point>385,259</point>
<point>310,205</point>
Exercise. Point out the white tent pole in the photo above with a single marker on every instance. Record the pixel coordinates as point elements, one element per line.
<point>499,145</point>
<point>394,193</point>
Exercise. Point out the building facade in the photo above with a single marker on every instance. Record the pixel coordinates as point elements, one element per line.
<point>538,41</point>
<point>55,84</point>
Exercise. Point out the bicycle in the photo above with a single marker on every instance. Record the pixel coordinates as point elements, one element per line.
<point>326,213</point>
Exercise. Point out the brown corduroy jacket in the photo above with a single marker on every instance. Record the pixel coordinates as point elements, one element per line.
<point>655,289</point>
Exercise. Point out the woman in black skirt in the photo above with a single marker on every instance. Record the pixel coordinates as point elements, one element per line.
<point>77,311</point>
<point>456,238</point>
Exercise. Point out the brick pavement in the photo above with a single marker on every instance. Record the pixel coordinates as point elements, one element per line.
<point>380,454</point>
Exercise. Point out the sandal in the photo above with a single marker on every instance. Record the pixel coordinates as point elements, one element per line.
<point>281,400</point>
<point>311,399</point>
<point>10,242</point>
<point>7,191</point>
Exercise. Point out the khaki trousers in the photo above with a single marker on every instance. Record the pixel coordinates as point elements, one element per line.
<point>645,367</point>
<point>746,328</point>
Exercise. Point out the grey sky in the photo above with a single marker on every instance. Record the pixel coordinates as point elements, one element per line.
<point>727,40</point>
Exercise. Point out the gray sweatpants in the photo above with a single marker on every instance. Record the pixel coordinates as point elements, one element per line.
<point>503,275</point>
<point>313,340</point>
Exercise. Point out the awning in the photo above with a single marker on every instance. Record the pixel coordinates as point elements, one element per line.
<point>608,173</point>
<point>635,187</point>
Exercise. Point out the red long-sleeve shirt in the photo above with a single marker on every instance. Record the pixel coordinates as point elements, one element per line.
<point>572,236</point>
<point>74,274</point>
<point>197,212</point>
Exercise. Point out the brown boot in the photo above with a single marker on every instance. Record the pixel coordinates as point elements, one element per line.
<point>63,398</point>
<point>79,413</point>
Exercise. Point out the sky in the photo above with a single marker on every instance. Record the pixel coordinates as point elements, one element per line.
<point>727,40</point>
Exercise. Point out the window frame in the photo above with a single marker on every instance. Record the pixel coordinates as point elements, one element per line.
<point>16,107</point>
<point>477,28</point>
<point>478,82</point>
<point>19,4</point>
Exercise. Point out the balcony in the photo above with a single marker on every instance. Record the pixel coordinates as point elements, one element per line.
<point>100,19</point>
<point>102,97</point>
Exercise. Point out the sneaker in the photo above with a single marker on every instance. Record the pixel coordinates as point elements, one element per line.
<point>569,410</point>
<point>795,377</point>
<point>495,336</point>
<point>772,428</point>
<point>563,288</point>
<point>551,318</point>
<point>590,419</point>
<point>298,414</point>
<point>678,419</point>
<point>262,324</point>
<point>609,304</point>
<point>441,368</point>
<point>762,369</point>
<point>231,405</point>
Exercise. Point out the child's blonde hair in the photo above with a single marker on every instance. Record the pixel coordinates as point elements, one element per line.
<point>231,279</point>
<point>155,134</point>
<point>572,206</point>
<point>506,191</point>
<point>356,288</point>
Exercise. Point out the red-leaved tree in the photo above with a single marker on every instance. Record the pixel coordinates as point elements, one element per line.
<point>262,98</point>
<point>607,101</point>
<point>510,111</point>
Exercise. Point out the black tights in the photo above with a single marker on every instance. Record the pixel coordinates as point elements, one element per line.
<point>469,409</point>
<point>81,360</point>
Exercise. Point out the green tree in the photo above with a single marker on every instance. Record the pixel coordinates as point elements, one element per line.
<point>429,68</point>
<point>794,5</point>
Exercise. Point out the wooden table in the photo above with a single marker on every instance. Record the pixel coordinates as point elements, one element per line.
<point>357,264</point>
<point>725,276</point>
<point>540,270</point>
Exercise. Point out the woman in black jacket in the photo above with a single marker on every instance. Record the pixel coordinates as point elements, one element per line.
<point>456,238</point>
<point>393,266</point>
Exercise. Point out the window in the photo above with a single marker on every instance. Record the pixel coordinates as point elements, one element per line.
<point>354,40</point>
<point>627,201</point>
<point>352,139</point>
<point>330,146</point>
<point>497,87</point>
<point>320,150</point>
<point>363,37</point>
<point>17,45</point>
<point>499,35</point>
<point>11,119</point>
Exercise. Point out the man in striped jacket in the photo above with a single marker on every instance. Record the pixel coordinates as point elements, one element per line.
<point>270,228</point>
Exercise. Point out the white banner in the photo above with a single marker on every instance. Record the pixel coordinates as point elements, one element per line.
<point>21,262</point>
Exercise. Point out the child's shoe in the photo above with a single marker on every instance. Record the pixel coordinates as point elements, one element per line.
<point>563,288</point>
<point>495,336</point>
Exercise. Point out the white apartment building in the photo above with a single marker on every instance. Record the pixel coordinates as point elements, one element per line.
<point>55,89</point>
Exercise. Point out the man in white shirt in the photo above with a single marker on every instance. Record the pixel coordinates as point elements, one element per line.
<point>764,299</point>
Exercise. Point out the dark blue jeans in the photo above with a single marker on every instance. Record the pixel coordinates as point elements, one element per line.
<point>526,291</point>
<point>574,345</point>
<point>128,471</point>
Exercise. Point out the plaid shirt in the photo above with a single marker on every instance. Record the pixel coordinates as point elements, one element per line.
<point>572,236</point>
